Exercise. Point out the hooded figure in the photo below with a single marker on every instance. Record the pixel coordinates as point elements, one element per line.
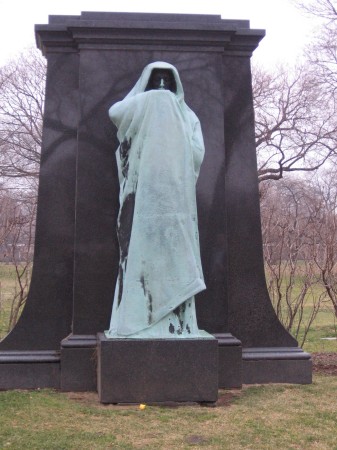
<point>159,157</point>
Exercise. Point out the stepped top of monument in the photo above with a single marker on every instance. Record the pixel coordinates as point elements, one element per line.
<point>70,33</point>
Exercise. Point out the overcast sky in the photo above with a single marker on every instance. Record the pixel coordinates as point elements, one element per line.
<point>288,29</point>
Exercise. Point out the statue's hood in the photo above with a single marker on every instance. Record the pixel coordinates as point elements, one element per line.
<point>142,83</point>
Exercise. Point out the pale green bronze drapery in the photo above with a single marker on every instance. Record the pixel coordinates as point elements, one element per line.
<point>159,157</point>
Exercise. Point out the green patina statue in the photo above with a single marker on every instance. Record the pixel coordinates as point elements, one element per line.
<point>159,157</point>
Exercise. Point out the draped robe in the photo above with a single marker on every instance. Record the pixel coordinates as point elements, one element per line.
<point>159,157</point>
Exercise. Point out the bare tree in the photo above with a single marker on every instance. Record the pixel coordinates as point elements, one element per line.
<point>21,107</point>
<point>324,236</point>
<point>17,225</point>
<point>293,281</point>
<point>325,9</point>
<point>322,52</point>
<point>296,131</point>
<point>299,223</point>
<point>296,125</point>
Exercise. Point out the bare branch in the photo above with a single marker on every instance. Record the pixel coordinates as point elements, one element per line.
<point>21,104</point>
<point>295,122</point>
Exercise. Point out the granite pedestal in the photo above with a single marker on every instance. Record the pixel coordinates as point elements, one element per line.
<point>143,371</point>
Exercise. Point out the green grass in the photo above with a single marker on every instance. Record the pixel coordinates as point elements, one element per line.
<point>8,288</point>
<point>325,325</point>
<point>257,417</point>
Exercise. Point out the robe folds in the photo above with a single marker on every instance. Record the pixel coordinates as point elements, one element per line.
<point>159,157</point>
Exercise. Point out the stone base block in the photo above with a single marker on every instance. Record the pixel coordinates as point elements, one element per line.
<point>276,365</point>
<point>29,370</point>
<point>144,371</point>
<point>78,363</point>
<point>230,361</point>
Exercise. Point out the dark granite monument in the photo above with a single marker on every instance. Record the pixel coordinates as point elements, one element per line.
<point>93,61</point>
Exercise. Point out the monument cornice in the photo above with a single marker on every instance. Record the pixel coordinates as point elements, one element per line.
<point>130,30</point>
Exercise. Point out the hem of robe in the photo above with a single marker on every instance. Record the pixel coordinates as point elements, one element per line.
<point>202,334</point>
<point>194,288</point>
<point>180,323</point>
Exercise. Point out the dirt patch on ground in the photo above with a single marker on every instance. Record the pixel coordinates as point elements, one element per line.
<point>226,398</point>
<point>91,399</point>
<point>325,363</point>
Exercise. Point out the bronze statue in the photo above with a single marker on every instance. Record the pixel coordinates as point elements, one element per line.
<point>159,157</point>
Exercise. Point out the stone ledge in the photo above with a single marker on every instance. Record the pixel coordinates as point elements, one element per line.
<point>29,375</point>
<point>29,356</point>
<point>276,365</point>
<point>273,353</point>
<point>79,341</point>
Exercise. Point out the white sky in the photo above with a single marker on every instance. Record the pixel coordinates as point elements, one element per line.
<point>288,29</point>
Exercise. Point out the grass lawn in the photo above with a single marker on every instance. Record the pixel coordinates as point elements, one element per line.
<point>256,417</point>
